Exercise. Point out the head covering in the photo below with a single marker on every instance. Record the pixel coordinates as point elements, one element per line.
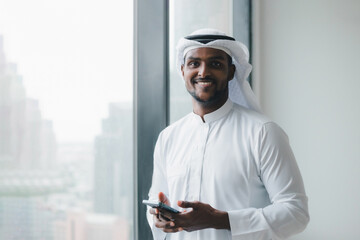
<point>239,89</point>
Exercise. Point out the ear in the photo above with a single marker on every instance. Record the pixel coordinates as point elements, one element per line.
<point>182,70</point>
<point>232,70</point>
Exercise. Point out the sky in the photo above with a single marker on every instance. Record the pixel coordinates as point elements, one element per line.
<point>75,56</point>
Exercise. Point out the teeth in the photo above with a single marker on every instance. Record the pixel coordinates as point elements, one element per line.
<point>204,83</point>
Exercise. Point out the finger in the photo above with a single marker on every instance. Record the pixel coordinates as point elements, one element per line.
<point>153,211</point>
<point>164,224</point>
<point>163,218</point>
<point>172,230</point>
<point>166,214</point>
<point>163,198</point>
<point>157,221</point>
<point>186,204</point>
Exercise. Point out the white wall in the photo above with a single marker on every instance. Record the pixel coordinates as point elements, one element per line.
<point>307,76</point>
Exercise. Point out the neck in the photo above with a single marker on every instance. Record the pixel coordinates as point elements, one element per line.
<point>203,108</point>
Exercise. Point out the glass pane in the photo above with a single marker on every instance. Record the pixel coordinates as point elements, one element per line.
<point>187,16</point>
<point>66,154</point>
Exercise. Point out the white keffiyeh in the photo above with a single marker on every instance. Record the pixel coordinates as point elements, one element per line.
<point>239,89</point>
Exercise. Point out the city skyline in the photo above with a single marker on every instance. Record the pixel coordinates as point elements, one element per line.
<point>27,139</point>
<point>73,63</point>
<point>13,67</point>
<point>70,62</point>
<point>40,187</point>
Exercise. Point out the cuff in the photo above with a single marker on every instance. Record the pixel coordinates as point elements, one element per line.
<point>248,224</point>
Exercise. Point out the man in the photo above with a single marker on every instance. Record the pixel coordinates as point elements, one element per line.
<point>227,168</point>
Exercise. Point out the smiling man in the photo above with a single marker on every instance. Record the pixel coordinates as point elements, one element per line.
<point>207,72</point>
<point>226,167</point>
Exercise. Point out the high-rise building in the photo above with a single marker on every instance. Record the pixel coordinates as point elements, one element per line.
<point>26,139</point>
<point>27,155</point>
<point>113,163</point>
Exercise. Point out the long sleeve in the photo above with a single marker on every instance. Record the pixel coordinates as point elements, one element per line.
<point>288,212</point>
<point>159,184</point>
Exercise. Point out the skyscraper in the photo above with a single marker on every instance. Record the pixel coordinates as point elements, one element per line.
<point>27,154</point>
<point>26,139</point>
<point>113,163</point>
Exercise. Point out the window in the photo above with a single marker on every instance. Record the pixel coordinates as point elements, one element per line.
<point>186,17</point>
<point>66,119</point>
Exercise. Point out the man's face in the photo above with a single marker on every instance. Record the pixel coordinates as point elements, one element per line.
<point>206,73</point>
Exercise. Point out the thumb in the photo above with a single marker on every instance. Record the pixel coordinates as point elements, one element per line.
<point>186,204</point>
<point>163,198</point>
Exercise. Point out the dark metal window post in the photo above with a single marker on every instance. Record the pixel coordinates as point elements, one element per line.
<point>150,97</point>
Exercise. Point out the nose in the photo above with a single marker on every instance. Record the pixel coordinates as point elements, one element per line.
<point>203,71</point>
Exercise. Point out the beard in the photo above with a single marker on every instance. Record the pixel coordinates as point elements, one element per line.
<point>216,97</point>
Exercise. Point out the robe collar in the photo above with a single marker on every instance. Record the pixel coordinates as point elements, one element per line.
<point>217,114</point>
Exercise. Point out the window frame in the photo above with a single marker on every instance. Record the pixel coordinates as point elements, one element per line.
<point>150,97</point>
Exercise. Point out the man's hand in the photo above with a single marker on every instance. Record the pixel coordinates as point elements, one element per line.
<point>201,216</point>
<point>160,220</point>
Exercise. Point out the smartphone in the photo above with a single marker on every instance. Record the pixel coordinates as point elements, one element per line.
<point>160,205</point>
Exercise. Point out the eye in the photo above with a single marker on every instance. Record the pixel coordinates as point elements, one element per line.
<point>216,64</point>
<point>193,64</point>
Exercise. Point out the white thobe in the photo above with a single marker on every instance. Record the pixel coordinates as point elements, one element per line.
<point>237,161</point>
